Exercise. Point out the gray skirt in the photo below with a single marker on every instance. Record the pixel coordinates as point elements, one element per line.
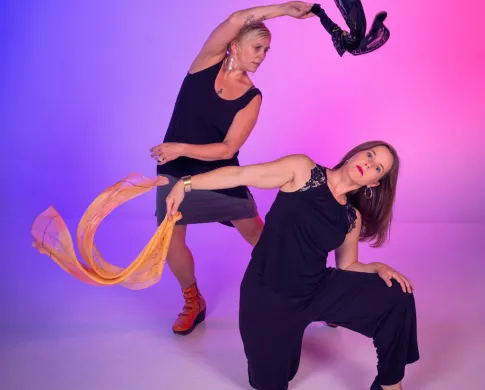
<point>203,206</point>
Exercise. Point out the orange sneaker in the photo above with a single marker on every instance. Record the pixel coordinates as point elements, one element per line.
<point>193,312</point>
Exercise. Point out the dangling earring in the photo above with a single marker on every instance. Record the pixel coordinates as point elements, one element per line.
<point>371,193</point>
<point>231,61</point>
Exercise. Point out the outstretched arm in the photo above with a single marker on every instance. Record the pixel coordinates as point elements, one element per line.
<point>346,258</point>
<point>214,48</point>
<point>288,173</point>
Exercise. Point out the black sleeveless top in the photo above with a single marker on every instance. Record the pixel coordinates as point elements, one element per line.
<point>200,117</point>
<point>301,228</point>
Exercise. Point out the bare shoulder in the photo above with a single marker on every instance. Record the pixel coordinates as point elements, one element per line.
<point>202,62</point>
<point>301,162</point>
<point>302,166</point>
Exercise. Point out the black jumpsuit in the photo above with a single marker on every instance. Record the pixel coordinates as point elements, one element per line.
<point>288,285</point>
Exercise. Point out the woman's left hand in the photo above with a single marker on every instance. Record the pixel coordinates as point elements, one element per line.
<point>387,273</point>
<point>166,152</point>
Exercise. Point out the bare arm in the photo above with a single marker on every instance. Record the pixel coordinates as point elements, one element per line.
<point>346,256</point>
<point>288,173</point>
<point>282,173</point>
<point>215,46</point>
<point>238,133</point>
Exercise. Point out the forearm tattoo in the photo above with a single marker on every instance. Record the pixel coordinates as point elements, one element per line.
<point>250,19</point>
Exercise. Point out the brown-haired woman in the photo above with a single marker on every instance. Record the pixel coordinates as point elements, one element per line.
<point>288,285</point>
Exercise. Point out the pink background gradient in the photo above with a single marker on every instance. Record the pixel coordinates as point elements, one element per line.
<point>89,87</point>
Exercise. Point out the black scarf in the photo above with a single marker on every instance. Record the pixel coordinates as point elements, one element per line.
<point>355,42</point>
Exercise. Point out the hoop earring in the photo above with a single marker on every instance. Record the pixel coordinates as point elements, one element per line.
<point>371,193</point>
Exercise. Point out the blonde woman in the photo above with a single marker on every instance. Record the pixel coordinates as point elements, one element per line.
<point>215,112</point>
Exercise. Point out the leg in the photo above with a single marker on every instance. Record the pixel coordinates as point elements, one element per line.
<point>250,229</point>
<point>181,262</point>
<point>179,257</point>
<point>272,333</point>
<point>363,303</point>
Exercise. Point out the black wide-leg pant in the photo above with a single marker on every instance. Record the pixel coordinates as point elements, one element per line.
<point>272,325</point>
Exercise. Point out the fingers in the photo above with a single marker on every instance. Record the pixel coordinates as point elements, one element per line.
<point>308,15</point>
<point>307,8</point>
<point>170,202</point>
<point>155,149</point>
<point>400,280</point>
<point>404,282</point>
<point>172,207</point>
<point>387,278</point>
<point>159,156</point>
<point>175,207</point>
<point>163,160</point>
<point>162,181</point>
<point>412,285</point>
<point>387,274</point>
<point>409,285</point>
<point>158,153</point>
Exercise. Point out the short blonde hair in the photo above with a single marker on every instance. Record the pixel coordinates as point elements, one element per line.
<point>251,31</point>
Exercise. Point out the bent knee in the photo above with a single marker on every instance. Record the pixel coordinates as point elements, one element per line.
<point>401,298</point>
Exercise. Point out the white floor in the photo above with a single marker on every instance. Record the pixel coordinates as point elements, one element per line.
<point>58,334</point>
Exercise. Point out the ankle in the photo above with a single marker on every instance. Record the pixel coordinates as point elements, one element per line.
<point>187,283</point>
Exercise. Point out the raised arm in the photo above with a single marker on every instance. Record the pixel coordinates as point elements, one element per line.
<point>288,173</point>
<point>214,48</point>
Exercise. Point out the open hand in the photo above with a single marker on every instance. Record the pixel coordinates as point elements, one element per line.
<point>387,273</point>
<point>166,152</point>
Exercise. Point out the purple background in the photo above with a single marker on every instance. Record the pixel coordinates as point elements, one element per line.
<point>87,87</point>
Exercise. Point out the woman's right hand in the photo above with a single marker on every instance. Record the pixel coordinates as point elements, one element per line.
<point>298,9</point>
<point>174,198</point>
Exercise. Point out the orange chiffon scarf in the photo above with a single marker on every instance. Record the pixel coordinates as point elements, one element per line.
<point>52,238</point>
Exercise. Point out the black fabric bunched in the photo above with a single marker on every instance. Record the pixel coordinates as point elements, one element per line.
<point>355,41</point>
